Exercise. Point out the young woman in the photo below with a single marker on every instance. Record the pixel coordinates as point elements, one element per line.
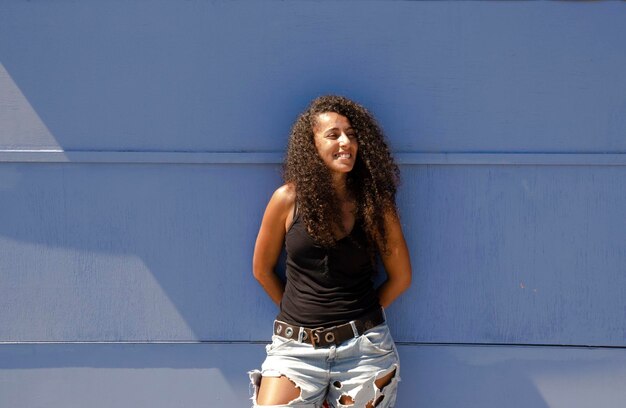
<point>336,214</point>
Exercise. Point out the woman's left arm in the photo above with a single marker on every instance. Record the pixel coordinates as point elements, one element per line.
<point>396,261</point>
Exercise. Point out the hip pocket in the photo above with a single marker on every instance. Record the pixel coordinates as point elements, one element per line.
<point>278,343</point>
<point>378,339</point>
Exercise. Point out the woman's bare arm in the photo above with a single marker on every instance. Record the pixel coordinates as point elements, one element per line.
<point>270,241</point>
<point>396,261</point>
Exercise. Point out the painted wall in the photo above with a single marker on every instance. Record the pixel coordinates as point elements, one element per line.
<point>141,140</point>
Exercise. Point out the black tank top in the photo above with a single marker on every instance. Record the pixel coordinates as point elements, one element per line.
<point>326,287</point>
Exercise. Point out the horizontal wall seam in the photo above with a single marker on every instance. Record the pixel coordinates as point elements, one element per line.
<point>403,158</point>
<point>261,342</point>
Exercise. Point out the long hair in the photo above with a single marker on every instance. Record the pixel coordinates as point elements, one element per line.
<point>372,182</point>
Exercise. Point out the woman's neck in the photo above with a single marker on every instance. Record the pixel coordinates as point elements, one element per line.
<point>340,186</point>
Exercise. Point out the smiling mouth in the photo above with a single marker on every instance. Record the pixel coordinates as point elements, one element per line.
<point>342,156</point>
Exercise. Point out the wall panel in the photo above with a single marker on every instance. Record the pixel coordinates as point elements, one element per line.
<point>230,76</point>
<point>214,375</point>
<point>501,254</point>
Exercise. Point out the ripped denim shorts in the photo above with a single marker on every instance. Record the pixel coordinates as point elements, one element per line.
<point>342,375</point>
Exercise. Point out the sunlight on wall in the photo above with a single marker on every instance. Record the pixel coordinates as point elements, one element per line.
<point>601,384</point>
<point>20,126</point>
<point>100,296</point>
<point>83,386</point>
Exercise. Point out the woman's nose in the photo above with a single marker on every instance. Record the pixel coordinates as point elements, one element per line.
<point>344,139</point>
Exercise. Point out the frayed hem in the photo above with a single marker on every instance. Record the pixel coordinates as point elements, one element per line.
<point>255,383</point>
<point>368,394</point>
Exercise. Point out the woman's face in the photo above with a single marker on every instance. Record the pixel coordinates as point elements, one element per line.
<point>335,141</point>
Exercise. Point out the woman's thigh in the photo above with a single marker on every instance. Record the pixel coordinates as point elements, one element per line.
<point>277,391</point>
<point>292,375</point>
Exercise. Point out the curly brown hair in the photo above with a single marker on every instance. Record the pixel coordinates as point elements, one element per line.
<point>372,183</point>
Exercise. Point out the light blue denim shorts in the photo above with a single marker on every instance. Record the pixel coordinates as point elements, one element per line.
<point>350,368</point>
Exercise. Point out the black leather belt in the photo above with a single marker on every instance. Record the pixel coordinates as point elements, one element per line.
<point>326,337</point>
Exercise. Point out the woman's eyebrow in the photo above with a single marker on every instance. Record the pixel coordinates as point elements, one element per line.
<point>334,129</point>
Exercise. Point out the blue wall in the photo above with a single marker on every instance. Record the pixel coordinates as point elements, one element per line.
<point>141,140</point>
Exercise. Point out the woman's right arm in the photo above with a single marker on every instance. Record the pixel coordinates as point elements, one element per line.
<point>269,241</point>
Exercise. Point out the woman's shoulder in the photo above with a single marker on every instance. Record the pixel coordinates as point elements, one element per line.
<point>285,194</point>
<point>283,201</point>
